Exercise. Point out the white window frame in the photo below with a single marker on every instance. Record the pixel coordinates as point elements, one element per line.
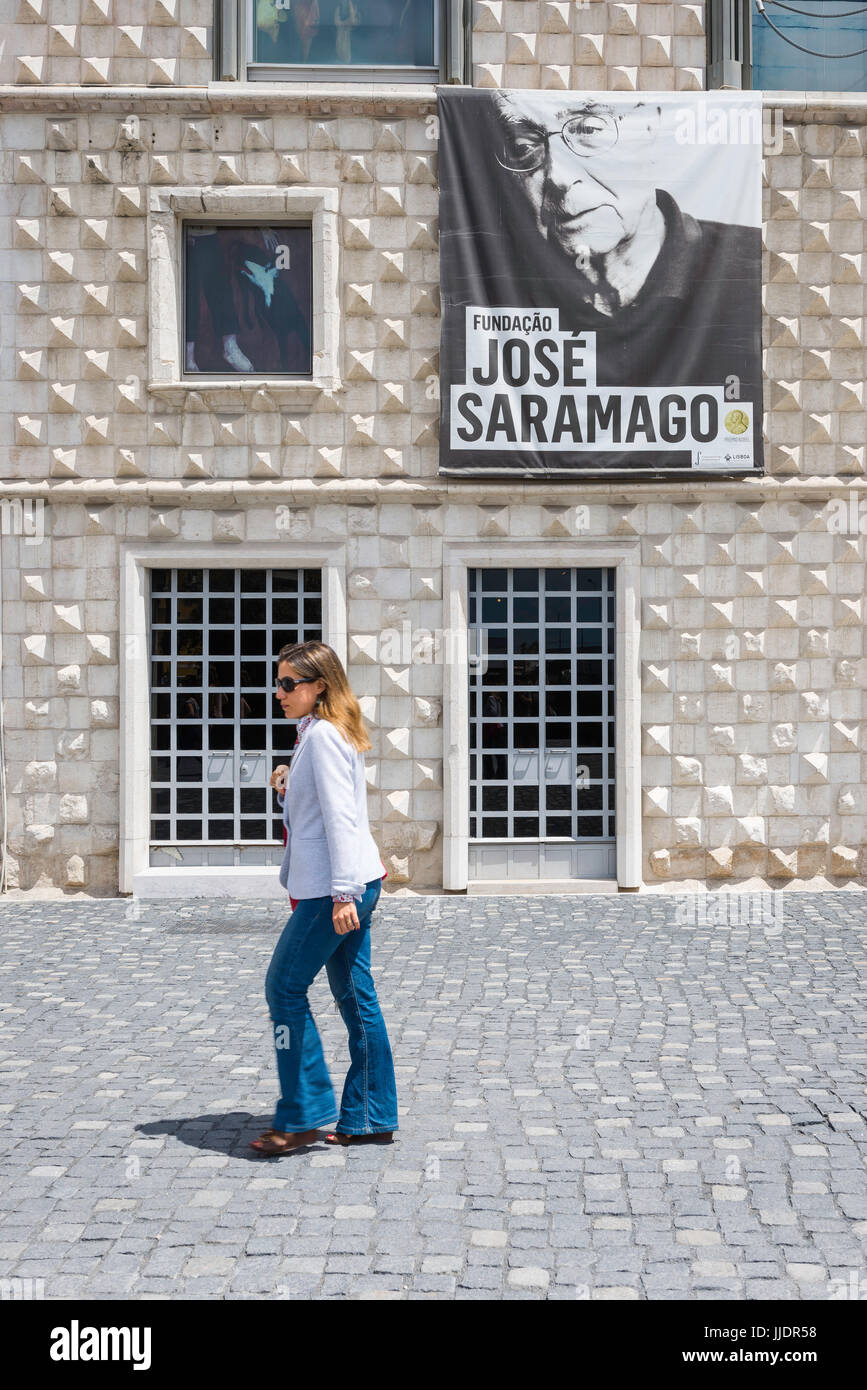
<point>169,209</point>
<point>624,558</point>
<point>135,873</point>
<point>338,72</point>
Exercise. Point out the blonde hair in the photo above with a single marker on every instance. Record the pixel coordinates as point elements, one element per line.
<point>337,703</point>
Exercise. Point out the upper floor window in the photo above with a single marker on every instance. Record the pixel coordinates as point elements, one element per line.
<point>810,45</point>
<point>323,38</point>
<point>788,45</point>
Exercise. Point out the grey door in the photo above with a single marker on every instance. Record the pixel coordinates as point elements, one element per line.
<point>541,703</point>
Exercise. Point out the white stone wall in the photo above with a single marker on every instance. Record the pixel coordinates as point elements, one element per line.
<point>591,45</point>
<point>109,43</point>
<point>754,757</point>
<point>651,46</point>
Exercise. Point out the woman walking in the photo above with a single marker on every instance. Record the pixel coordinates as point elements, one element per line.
<point>333,873</point>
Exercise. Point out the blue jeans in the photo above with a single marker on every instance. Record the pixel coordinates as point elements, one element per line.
<point>307,1101</point>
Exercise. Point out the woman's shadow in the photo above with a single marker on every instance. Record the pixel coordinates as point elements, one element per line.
<point>229,1133</point>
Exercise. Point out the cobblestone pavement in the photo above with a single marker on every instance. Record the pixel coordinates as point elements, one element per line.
<point>597,1101</point>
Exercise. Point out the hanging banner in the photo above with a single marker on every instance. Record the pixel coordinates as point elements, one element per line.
<point>600,264</point>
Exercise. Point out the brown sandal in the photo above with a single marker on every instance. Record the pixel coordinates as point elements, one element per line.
<point>383,1137</point>
<point>275,1141</point>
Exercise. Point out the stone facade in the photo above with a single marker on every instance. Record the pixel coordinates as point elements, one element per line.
<point>576,44</point>
<point>653,46</point>
<point>110,43</point>
<point>753,748</point>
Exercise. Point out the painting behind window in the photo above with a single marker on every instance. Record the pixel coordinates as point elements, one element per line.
<point>247,299</point>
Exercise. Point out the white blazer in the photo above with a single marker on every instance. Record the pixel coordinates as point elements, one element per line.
<point>329,847</point>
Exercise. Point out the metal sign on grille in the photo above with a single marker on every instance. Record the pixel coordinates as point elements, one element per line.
<point>216,729</point>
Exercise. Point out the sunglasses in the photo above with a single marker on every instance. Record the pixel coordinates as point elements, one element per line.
<point>288,684</point>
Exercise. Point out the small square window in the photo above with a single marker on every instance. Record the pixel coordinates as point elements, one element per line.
<point>276,319</point>
<point>248,299</point>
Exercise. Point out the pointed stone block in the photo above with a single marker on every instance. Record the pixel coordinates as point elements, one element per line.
<point>68,617</point>
<point>656,677</point>
<point>782,864</point>
<point>64,463</point>
<point>521,48</point>
<point>28,237</point>
<point>61,397</point>
<point>656,738</point>
<point>28,168</point>
<point>265,464</point>
<point>356,233</point>
<point>391,137</point>
<point>394,333</point>
<point>844,861</point>
<point>228,169</point>
<point>164,169</point>
<point>95,299</point>
<point>97,364</point>
<point>358,299</point>
<point>29,429</point>
<point>718,801</point>
<point>229,528</point>
<point>164,522</point>
<point>258,135</point>
<point>329,463</point>
<point>129,201</point>
<point>31,366</point>
<point>323,135</point>
<point>657,801</point>
<point>555,77</point>
<point>29,70</point>
<point>391,267</point>
<point>355,169</point>
<point>660,863</point>
<point>720,862</point>
<point>389,200</point>
<point>97,429</point>
<point>751,830</point>
<point>814,768</point>
<point>293,432</point>
<point>95,71</point>
<point>35,649</point>
<point>128,465</point>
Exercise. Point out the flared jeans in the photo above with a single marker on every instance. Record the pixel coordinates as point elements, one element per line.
<point>307,1100</point>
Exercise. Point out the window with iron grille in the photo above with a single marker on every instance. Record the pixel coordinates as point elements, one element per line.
<point>542,704</point>
<point>217,731</point>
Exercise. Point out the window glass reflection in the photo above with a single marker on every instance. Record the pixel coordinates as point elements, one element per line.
<point>828,28</point>
<point>367,33</point>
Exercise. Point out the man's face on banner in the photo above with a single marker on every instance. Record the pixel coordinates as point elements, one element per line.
<point>587,170</point>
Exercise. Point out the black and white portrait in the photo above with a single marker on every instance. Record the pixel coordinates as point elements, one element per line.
<point>631,228</point>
